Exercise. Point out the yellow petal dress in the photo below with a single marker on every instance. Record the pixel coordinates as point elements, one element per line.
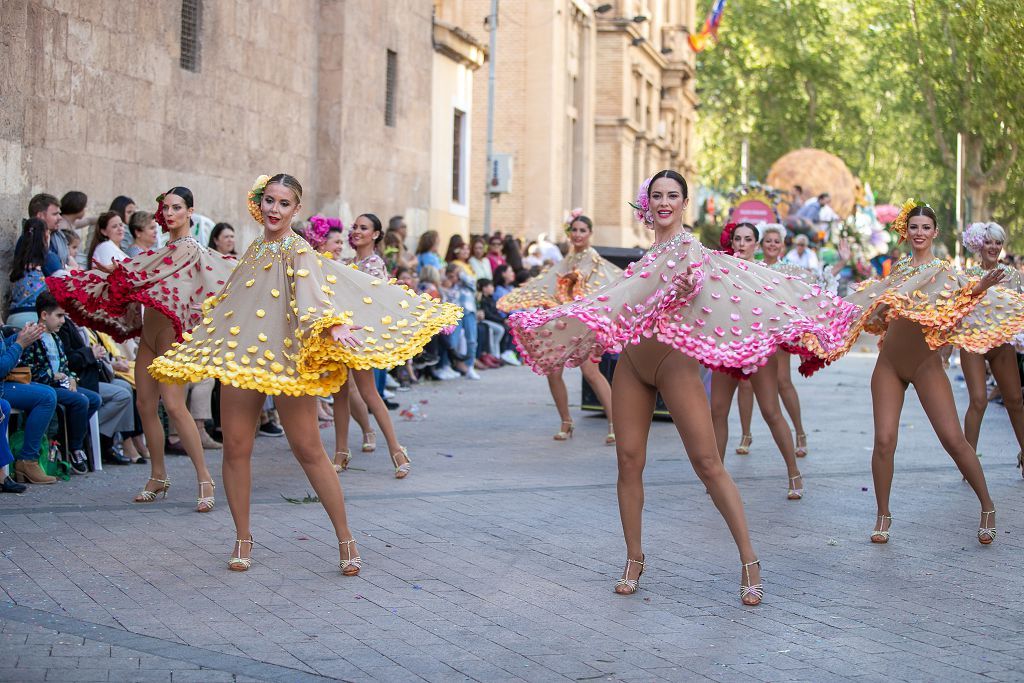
<point>268,329</point>
<point>578,274</point>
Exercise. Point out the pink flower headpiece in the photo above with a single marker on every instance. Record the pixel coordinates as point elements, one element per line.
<point>573,215</point>
<point>318,228</point>
<point>974,236</point>
<point>642,207</point>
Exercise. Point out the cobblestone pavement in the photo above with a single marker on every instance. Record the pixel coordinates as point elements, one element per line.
<point>495,561</point>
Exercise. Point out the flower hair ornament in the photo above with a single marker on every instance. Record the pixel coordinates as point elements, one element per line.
<point>255,198</point>
<point>899,225</point>
<point>159,215</point>
<point>642,208</point>
<point>726,238</point>
<point>974,236</point>
<point>573,215</point>
<point>319,226</point>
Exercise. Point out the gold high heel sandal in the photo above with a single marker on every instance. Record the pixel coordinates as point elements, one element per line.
<point>206,503</point>
<point>610,439</point>
<point>882,535</point>
<point>801,445</point>
<point>237,563</point>
<point>751,595</point>
<point>401,471</point>
<point>352,565</point>
<point>344,461</point>
<point>633,585</point>
<point>986,533</point>
<point>744,447</point>
<point>563,433</point>
<point>147,496</point>
<point>369,441</point>
<point>794,492</point>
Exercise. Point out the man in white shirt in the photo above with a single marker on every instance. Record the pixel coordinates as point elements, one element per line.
<point>801,254</point>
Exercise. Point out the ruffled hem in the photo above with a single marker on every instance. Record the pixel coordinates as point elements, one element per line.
<point>319,352</point>
<point>165,369</point>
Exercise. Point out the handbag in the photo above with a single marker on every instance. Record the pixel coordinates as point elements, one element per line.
<point>19,375</point>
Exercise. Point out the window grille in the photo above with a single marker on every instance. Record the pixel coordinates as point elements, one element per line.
<point>191,13</point>
<point>391,83</point>
<point>457,133</point>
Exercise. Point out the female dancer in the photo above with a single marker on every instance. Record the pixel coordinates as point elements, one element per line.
<point>366,233</point>
<point>288,323</point>
<point>773,244</point>
<point>985,241</point>
<point>581,272</point>
<point>920,307</point>
<point>155,296</point>
<point>715,310</point>
<point>742,239</point>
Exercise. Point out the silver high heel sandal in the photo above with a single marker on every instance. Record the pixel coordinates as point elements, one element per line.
<point>882,535</point>
<point>632,584</point>
<point>237,563</point>
<point>755,591</point>
<point>986,533</point>
<point>352,565</point>
<point>206,503</point>
<point>401,471</point>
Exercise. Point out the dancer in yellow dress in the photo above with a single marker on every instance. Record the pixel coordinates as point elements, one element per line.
<point>582,271</point>
<point>289,323</point>
<point>985,241</point>
<point>919,308</point>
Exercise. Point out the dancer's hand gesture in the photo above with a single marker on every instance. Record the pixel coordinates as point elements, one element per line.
<point>343,335</point>
<point>684,283</point>
<point>991,277</point>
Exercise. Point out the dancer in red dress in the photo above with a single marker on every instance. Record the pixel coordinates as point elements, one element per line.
<point>156,296</point>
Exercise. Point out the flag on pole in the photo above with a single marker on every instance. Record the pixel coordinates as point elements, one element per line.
<point>700,41</point>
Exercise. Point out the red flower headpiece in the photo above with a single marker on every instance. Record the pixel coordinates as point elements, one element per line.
<point>161,221</point>
<point>726,239</point>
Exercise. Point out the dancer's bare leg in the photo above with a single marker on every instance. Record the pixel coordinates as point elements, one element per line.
<point>342,412</point>
<point>766,390</point>
<point>298,418</point>
<point>556,384</point>
<point>239,417</point>
<point>787,390</point>
<point>745,405</point>
<point>633,402</point>
<point>723,387</point>
<point>936,397</point>
<point>973,366</point>
<point>1003,361</point>
<point>368,390</point>
<point>601,387</point>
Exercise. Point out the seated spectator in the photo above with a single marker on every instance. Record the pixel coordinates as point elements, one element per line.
<point>801,254</point>
<point>426,251</point>
<point>144,231</point>
<point>512,248</point>
<point>460,289</point>
<point>74,247</point>
<point>429,282</point>
<point>478,261</point>
<point>105,243</point>
<point>494,255</point>
<point>532,258</point>
<point>122,360</point>
<point>7,485</point>
<point>222,239</point>
<point>88,362</point>
<point>37,401</point>
<point>504,280</point>
<point>33,262</point>
<point>497,341</point>
<point>124,207</point>
<point>49,366</point>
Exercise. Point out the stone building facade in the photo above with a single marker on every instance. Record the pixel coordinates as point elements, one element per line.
<point>588,104</point>
<point>96,96</point>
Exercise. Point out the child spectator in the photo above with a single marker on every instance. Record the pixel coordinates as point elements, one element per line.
<point>504,280</point>
<point>74,245</point>
<point>49,366</point>
<point>495,336</point>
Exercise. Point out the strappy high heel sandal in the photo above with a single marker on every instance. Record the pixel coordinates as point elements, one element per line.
<point>744,447</point>
<point>147,496</point>
<point>347,457</point>
<point>882,535</point>
<point>563,433</point>
<point>632,584</point>
<point>986,533</point>
<point>401,471</point>
<point>751,595</point>
<point>610,439</point>
<point>237,563</point>
<point>801,445</point>
<point>794,492</point>
<point>369,441</point>
<point>352,565</point>
<point>206,503</point>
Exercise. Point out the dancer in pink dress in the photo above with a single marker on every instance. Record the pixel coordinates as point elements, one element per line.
<point>679,306</point>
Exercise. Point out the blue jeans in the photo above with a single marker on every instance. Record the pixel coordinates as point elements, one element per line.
<point>467,328</point>
<point>6,458</point>
<point>79,406</point>
<point>38,402</point>
<point>380,380</point>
